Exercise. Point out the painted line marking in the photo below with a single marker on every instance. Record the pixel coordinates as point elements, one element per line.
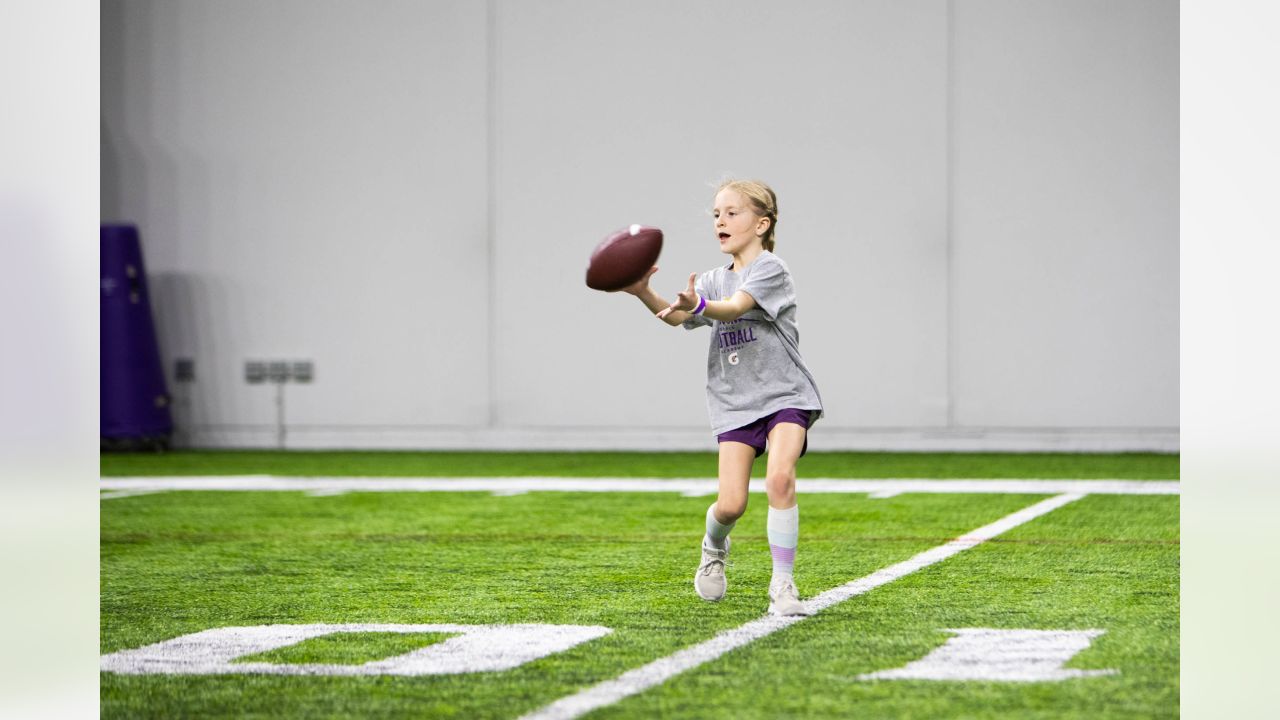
<point>659,671</point>
<point>689,487</point>
<point>113,494</point>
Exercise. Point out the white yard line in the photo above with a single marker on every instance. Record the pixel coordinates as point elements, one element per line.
<point>879,488</point>
<point>659,671</point>
<point>113,494</point>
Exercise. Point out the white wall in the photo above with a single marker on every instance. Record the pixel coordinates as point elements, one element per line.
<point>978,201</point>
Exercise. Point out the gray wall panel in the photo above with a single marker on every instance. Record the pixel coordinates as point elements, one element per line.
<point>614,113</point>
<point>310,182</point>
<point>1065,223</point>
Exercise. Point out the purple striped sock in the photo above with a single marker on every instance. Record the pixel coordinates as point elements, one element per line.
<point>784,534</point>
<point>784,559</point>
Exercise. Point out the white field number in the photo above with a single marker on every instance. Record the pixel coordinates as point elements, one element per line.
<point>979,654</point>
<point>985,654</point>
<point>474,648</point>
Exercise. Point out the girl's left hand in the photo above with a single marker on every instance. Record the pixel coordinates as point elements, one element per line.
<point>687,300</point>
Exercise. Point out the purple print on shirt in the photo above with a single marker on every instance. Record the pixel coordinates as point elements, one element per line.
<point>733,337</point>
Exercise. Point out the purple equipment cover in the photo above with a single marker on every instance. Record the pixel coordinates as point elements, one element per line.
<point>135,402</point>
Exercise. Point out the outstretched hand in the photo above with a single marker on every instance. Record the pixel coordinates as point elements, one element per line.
<point>687,300</point>
<point>640,285</point>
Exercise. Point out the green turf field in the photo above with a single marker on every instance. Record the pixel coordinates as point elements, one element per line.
<point>1135,466</point>
<point>181,562</point>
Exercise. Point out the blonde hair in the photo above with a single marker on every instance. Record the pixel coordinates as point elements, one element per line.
<point>763,201</point>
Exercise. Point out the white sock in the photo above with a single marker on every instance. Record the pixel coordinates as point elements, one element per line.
<point>784,536</point>
<point>716,531</point>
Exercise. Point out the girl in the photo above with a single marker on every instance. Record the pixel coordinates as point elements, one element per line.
<point>759,391</point>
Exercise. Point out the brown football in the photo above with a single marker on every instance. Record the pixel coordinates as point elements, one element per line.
<point>623,257</point>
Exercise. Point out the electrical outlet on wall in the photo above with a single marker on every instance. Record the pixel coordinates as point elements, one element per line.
<point>184,369</point>
<point>303,371</point>
<point>278,371</point>
<point>255,371</point>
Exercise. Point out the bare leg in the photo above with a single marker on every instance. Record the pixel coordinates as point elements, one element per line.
<point>735,476</point>
<point>786,440</point>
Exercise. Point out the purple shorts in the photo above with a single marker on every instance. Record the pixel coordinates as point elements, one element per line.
<point>756,433</point>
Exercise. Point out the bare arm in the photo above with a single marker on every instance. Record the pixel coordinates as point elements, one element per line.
<point>652,300</point>
<point>722,310</point>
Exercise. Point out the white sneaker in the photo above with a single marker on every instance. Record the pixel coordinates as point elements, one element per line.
<point>783,598</point>
<point>709,580</point>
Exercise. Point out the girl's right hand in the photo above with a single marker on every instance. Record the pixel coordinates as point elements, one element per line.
<point>642,284</point>
<point>687,300</point>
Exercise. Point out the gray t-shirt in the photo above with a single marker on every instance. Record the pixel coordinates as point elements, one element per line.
<point>754,366</point>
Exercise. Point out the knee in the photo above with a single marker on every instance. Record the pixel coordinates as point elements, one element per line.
<point>729,510</point>
<point>781,483</point>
